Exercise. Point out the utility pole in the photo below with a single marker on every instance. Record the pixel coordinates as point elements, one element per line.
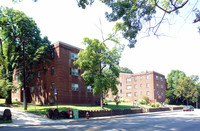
<point>24,74</point>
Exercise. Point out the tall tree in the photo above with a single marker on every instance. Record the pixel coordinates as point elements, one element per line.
<point>125,70</point>
<point>185,89</point>
<point>15,29</point>
<point>94,60</point>
<point>172,84</point>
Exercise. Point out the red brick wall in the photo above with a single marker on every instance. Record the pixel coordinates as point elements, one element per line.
<point>138,87</point>
<point>62,78</point>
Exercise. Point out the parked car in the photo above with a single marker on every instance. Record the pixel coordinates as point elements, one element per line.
<point>188,108</point>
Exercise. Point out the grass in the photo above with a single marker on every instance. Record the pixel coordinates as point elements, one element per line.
<point>41,110</point>
<point>8,121</point>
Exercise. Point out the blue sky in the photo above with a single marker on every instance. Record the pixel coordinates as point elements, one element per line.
<point>63,20</point>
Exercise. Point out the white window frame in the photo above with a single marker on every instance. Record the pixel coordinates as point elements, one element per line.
<point>147,85</point>
<point>128,87</point>
<point>89,89</point>
<point>147,93</point>
<point>74,72</point>
<point>128,79</point>
<point>157,85</point>
<point>75,87</point>
<point>135,94</point>
<point>147,77</point>
<point>73,56</point>
<point>161,86</point>
<point>129,94</point>
<point>135,86</point>
<point>38,74</point>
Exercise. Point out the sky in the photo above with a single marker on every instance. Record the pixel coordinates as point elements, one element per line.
<point>63,20</point>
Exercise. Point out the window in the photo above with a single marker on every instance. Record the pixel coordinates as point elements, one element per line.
<point>120,84</point>
<point>147,77</point>
<point>157,78</point>
<point>74,71</point>
<point>52,54</point>
<point>75,87</point>
<point>157,93</point>
<point>128,94</point>
<point>32,89</point>
<point>128,87</point>
<point>38,74</point>
<point>161,86</point>
<point>135,94</point>
<point>52,70</point>
<point>141,85</point>
<point>157,85</point>
<point>135,78</point>
<point>52,86</point>
<point>120,91</point>
<point>135,86</point>
<point>39,88</point>
<point>89,89</point>
<point>147,85</point>
<point>161,93</point>
<point>140,77</point>
<point>128,79</point>
<point>73,56</point>
<point>15,77</point>
<point>147,93</point>
<point>161,79</point>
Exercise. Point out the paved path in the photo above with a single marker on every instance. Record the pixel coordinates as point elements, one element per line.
<point>21,118</point>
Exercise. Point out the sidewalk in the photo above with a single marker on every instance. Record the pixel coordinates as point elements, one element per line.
<point>21,118</point>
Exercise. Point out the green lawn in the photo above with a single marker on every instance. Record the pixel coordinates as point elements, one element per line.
<point>38,109</point>
<point>41,110</point>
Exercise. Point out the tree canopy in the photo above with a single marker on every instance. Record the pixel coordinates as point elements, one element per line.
<point>181,88</point>
<point>125,70</point>
<point>133,14</point>
<point>100,65</point>
<point>15,29</point>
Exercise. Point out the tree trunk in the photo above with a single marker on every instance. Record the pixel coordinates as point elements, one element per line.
<point>8,97</point>
<point>187,101</point>
<point>101,101</point>
<point>197,104</point>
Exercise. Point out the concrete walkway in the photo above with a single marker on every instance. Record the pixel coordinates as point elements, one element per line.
<point>22,118</point>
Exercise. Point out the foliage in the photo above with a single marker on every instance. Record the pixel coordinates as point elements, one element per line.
<point>157,104</point>
<point>125,70</point>
<point>94,60</point>
<point>133,14</point>
<point>117,100</point>
<point>146,99</point>
<point>15,29</point>
<point>182,88</point>
<point>172,85</point>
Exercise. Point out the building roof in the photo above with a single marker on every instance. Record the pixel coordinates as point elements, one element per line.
<point>63,43</point>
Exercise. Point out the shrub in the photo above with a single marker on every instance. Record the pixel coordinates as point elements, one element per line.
<point>117,100</point>
<point>157,104</point>
<point>146,99</point>
<point>142,102</point>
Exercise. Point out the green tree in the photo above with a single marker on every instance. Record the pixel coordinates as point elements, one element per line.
<point>125,70</point>
<point>172,85</point>
<point>136,13</point>
<point>94,60</point>
<point>185,89</point>
<point>15,29</point>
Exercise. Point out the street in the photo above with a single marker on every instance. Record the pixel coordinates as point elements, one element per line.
<point>177,120</point>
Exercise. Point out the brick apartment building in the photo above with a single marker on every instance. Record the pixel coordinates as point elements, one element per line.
<point>133,87</point>
<point>59,74</point>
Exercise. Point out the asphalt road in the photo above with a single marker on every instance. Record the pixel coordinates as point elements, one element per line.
<point>181,121</point>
